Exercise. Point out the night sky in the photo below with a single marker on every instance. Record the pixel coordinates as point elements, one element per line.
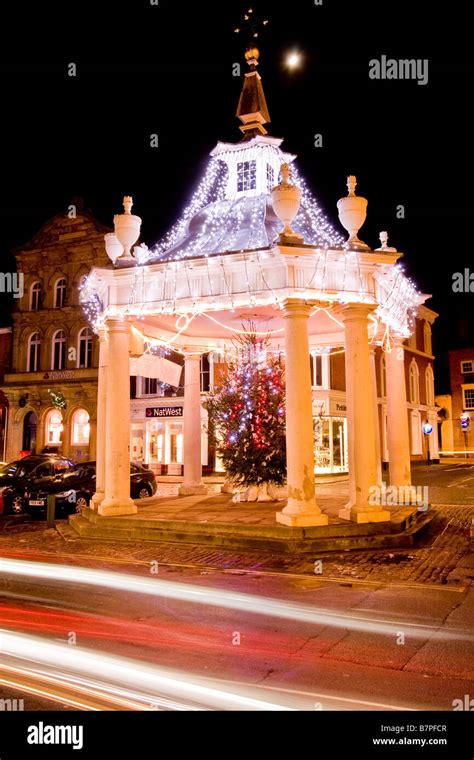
<point>167,69</point>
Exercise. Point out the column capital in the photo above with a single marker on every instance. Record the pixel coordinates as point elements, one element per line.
<point>192,357</point>
<point>398,340</point>
<point>117,325</point>
<point>294,307</point>
<point>350,312</point>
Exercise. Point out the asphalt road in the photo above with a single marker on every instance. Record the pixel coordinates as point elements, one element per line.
<point>423,660</point>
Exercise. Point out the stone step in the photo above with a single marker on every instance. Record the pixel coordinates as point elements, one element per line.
<point>286,540</point>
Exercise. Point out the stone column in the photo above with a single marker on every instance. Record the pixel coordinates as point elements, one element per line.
<point>117,499</point>
<point>365,486</point>
<point>398,435</point>
<point>192,484</point>
<point>378,440</point>
<point>301,509</point>
<point>100,426</point>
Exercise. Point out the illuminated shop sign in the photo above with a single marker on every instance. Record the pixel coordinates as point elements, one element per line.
<point>164,411</point>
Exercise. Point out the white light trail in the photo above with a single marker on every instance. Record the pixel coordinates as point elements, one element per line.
<point>232,600</point>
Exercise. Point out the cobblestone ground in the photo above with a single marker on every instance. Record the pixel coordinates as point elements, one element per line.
<point>443,556</point>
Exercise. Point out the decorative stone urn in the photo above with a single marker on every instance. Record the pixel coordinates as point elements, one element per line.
<point>286,200</point>
<point>113,246</point>
<point>352,215</point>
<point>127,230</point>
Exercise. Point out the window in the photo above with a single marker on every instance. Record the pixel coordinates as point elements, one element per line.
<point>414,383</point>
<point>60,294</point>
<point>43,471</point>
<point>35,296</point>
<point>54,427</point>
<point>429,383</point>
<point>383,375</point>
<point>270,177</point>
<point>205,373</point>
<point>427,338</point>
<point>59,351</point>
<point>34,351</point>
<point>246,176</point>
<point>80,428</point>
<point>85,348</point>
<point>468,396</point>
<point>467,367</point>
<point>316,371</point>
<point>149,386</point>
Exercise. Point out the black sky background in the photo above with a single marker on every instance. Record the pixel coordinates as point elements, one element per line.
<point>167,69</point>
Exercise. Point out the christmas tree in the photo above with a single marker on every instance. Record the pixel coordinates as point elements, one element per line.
<point>247,415</point>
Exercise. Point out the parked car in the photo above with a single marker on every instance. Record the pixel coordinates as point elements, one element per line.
<point>15,478</point>
<point>75,487</point>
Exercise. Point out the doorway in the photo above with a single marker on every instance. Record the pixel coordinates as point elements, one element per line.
<point>30,425</point>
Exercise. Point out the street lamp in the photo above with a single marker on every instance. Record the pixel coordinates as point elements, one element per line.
<point>428,429</point>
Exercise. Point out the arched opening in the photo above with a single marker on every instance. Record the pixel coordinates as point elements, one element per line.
<point>53,428</point>
<point>35,296</point>
<point>60,293</point>
<point>85,348</point>
<point>30,427</point>
<point>33,361</point>
<point>80,428</point>
<point>59,351</point>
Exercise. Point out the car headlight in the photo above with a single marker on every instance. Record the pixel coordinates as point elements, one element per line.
<point>67,495</point>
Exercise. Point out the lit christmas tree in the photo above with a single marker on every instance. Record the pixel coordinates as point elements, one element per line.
<point>247,417</point>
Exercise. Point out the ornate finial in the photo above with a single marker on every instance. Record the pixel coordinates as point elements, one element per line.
<point>351,185</point>
<point>352,215</point>
<point>252,54</point>
<point>127,204</point>
<point>285,174</point>
<point>385,247</point>
<point>286,199</point>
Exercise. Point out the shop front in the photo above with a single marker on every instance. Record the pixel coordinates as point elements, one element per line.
<point>157,435</point>
<point>330,434</point>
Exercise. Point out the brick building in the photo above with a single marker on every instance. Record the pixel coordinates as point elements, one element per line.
<point>459,404</point>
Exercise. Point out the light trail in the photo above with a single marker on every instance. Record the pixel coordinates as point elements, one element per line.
<point>225,599</point>
<point>120,678</point>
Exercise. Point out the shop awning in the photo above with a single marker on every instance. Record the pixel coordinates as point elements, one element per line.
<point>156,368</point>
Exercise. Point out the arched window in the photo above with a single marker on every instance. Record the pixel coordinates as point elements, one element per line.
<point>429,384</point>
<point>427,338</point>
<point>60,293</point>
<point>35,296</point>
<point>383,375</point>
<point>84,354</point>
<point>80,428</point>
<point>54,427</point>
<point>33,361</point>
<point>59,350</point>
<point>414,383</point>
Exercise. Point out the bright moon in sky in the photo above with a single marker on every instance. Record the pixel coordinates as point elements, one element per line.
<point>293,60</point>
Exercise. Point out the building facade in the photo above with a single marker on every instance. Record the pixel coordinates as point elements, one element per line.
<point>456,409</point>
<point>51,387</point>
<point>5,363</point>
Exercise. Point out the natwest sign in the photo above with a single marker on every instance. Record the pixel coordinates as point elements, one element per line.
<point>165,411</point>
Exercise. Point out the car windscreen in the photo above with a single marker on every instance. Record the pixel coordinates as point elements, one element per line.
<point>16,469</point>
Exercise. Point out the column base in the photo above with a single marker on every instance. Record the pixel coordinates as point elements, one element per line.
<point>361,516</point>
<point>97,499</point>
<point>198,490</point>
<point>294,516</point>
<point>117,508</point>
